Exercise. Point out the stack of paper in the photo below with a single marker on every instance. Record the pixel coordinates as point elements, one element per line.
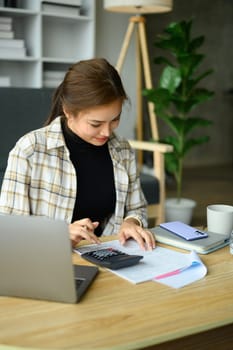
<point>10,47</point>
<point>6,27</point>
<point>52,78</point>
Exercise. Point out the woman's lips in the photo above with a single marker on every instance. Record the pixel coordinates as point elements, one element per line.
<point>102,139</point>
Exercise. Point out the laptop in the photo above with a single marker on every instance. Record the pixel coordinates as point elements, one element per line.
<point>36,260</point>
<point>206,245</point>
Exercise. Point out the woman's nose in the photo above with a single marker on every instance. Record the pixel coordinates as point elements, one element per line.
<point>106,130</point>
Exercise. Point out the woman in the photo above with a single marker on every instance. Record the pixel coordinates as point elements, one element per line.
<point>76,168</point>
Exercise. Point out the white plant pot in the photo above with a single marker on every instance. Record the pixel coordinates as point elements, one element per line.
<point>181,210</point>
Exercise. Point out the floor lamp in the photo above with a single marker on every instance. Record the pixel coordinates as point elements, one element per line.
<point>137,23</point>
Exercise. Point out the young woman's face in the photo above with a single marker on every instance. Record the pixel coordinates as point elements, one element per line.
<point>95,125</point>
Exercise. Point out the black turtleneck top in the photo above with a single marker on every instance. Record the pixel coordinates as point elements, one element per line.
<point>96,196</point>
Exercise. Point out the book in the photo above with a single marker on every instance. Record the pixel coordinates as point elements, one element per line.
<point>5,81</point>
<point>60,9</point>
<point>10,3</point>
<point>207,245</point>
<point>11,43</point>
<point>54,74</point>
<point>53,78</point>
<point>51,83</point>
<point>5,19</point>
<point>7,34</point>
<point>5,26</point>
<point>66,2</point>
<point>12,52</point>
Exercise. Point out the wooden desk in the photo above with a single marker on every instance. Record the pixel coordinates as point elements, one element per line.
<point>115,314</point>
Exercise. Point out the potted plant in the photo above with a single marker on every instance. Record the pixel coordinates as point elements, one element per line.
<point>175,98</point>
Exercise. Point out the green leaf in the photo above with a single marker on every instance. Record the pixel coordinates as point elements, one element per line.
<point>172,140</point>
<point>176,124</point>
<point>192,123</point>
<point>161,59</point>
<point>184,126</point>
<point>171,163</point>
<point>173,28</point>
<point>189,63</point>
<point>202,76</point>
<point>184,104</point>
<point>196,43</point>
<point>179,29</point>
<point>191,82</point>
<point>174,45</point>
<point>170,79</point>
<point>190,143</point>
<point>200,95</point>
<point>160,97</point>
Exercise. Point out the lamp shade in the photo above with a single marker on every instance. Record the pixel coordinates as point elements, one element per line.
<point>138,6</point>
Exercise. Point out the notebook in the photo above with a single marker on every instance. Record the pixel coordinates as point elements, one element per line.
<point>36,260</point>
<point>206,245</point>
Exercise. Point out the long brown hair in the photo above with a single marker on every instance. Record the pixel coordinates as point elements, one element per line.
<point>87,83</point>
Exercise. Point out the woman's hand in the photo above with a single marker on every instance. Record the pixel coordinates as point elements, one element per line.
<point>83,229</point>
<point>131,229</point>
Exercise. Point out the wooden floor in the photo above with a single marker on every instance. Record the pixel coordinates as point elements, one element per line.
<point>205,185</point>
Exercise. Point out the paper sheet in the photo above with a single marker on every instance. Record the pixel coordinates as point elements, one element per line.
<point>154,263</point>
<point>193,271</point>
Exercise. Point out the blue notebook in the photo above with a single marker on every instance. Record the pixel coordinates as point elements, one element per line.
<point>213,242</point>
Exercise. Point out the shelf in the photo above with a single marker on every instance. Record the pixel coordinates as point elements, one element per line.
<point>20,59</point>
<point>17,12</point>
<point>66,17</point>
<point>57,60</point>
<point>52,41</point>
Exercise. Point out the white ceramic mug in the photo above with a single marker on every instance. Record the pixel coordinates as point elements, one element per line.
<point>220,218</point>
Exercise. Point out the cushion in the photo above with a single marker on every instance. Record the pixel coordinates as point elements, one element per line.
<point>22,110</point>
<point>150,187</point>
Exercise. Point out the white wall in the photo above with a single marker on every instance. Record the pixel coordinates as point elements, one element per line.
<point>110,31</point>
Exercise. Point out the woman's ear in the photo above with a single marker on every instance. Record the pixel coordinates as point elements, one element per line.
<point>66,113</point>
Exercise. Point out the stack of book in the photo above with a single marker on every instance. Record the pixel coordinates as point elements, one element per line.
<point>6,31</point>
<point>62,7</point>
<point>52,78</point>
<point>10,47</point>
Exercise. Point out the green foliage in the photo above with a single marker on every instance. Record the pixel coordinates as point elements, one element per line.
<point>178,93</point>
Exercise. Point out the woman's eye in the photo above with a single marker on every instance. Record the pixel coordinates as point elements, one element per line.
<point>112,122</point>
<point>95,125</point>
<point>116,120</point>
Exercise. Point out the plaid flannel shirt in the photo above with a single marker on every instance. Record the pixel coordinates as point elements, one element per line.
<point>40,179</point>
